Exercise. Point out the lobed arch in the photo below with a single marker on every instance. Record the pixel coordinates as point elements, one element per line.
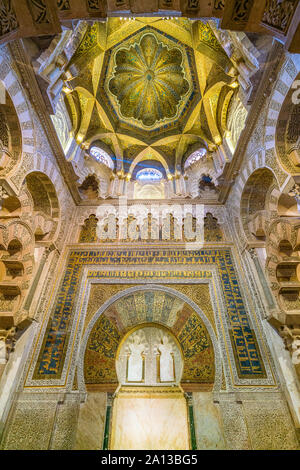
<point>256,202</point>
<point>17,264</point>
<point>283,230</point>
<point>285,248</point>
<point>10,136</point>
<point>88,230</point>
<point>44,203</point>
<point>287,137</point>
<point>40,184</point>
<point>283,261</point>
<point>138,332</point>
<point>195,176</point>
<point>15,248</point>
<point>278,202</point>
<point>22,137</point>
<point>253,162</point>
<point>17,229</point>
<point>48,172</point>
<point>89,188</point>
<point>279,102</point>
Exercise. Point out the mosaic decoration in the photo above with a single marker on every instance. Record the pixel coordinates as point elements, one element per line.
<point>207,36</point>
<point>100,293</point>
<point>101,352</point>
<point>52,355</point>
<point>88,231</point>
<point>148,81</point>
<point>88,42</point>
<point>144,80</point>
<point>147,307</point>
<point>212,230</point>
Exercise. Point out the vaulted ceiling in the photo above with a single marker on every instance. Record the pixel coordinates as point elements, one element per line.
<point>149,88</point>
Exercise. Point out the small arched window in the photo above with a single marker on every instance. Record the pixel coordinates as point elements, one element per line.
<point>195,156</point>
<point>101,156</point>
<point>149,175</point>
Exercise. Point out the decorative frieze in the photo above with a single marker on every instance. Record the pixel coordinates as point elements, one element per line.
<point>278,13</point>
<point>8,18</point>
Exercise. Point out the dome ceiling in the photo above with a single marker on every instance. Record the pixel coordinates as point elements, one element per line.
<point>149,85</point>
<point>149,81</point>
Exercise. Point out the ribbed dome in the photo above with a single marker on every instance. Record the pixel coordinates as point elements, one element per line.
<point>148,81</point>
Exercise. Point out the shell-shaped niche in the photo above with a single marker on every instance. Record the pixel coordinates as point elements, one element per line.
<point>149,356</point>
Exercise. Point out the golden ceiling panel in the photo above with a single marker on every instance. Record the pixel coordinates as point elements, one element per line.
<point>89,43</point>
<point>148,81</point>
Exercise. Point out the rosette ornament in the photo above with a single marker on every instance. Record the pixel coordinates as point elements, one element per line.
<point>148,81</point>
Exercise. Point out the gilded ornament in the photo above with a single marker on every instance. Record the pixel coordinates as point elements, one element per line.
<point>149,81</point>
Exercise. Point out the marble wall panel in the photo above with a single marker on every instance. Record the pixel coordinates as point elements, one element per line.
<point>208,422</point>
<point>150,423</point>
<point>91,422</point>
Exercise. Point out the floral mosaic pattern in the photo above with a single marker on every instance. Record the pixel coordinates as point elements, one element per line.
<point>149,81</point>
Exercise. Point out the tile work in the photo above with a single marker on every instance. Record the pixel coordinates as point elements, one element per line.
<point>248,358</point>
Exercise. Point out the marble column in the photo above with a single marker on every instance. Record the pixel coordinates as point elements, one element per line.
<point>189,400</point>
<point>107,426</point>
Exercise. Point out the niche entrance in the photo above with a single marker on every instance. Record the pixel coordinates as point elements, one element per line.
<point>149,410</point>
<point>148,343</point>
